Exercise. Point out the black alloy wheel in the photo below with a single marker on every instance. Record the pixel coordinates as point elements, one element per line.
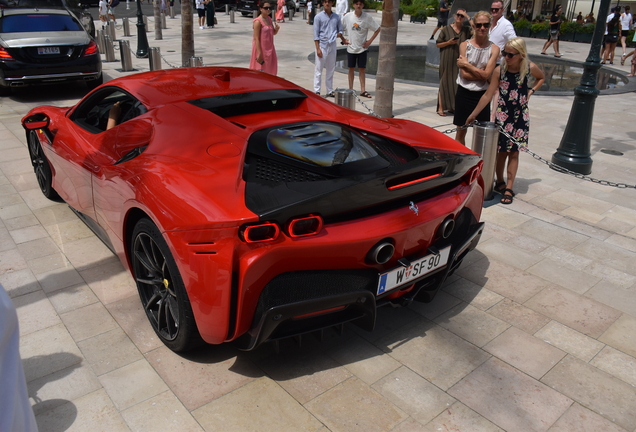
<point>161,290</point>
<point>41,166</point>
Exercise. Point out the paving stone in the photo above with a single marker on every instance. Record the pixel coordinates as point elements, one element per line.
<point>305,372</point>
<point>608,254</point>
<point>131,384</point>
<point>580,419</point>
<point>425,348</point>
<point>575,311</point>
<point>477,296</point>
<point>163,412</point>
<point>88,321</point>
<point>509,398</point>
<point>261,405</point>
<point>133,320</point>
<point>109,351</point>
<point>223,366</point>
<point>551,234</point>
<point>614,362</point>
<point>440,304</point>
<point>363,359</point>
<point>94,412</point>
<point>19,282</point>
<point>373,412</point>
<point>505,280</point>
<point>508,254</point>
<point>413,394</point>
<point>69,299</point>
<point>621,335</point>
<point>472,324</point>
<point>594,389</point>
<point>564,276</point>
<point>461,418</point>
<point>518,315</point>
<point>570,341</point>
<point>35,312</point>
<point>525,352</point>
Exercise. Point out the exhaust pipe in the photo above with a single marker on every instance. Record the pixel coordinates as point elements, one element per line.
<point>381,253</point>
<point>446,228</point>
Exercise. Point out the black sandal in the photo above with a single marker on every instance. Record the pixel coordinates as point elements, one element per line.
<point>500,187</point>
<point>507,199</point>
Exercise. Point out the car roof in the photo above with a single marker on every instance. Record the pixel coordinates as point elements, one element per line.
<point>162,87</point>
<point>30,10</point>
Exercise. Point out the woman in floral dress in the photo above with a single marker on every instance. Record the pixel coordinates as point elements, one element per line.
<point>511,79</point>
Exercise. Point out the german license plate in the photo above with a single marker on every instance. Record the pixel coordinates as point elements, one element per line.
<point>402,275</point>
<point>48,50</point>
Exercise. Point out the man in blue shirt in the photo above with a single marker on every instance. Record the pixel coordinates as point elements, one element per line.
<point>327,28</point>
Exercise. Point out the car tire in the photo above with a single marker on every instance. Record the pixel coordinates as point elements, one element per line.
<point>5,90</point>
<point>92,85</point>
<point>161,289</point>
<point>41,166</point>
<point>245,13</point>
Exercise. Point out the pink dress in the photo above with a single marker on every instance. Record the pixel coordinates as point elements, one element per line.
<point>267,46</point>
<point>280,13</point>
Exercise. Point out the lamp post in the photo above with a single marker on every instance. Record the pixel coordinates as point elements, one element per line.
<point>574,151</point>
<point>142,39</point>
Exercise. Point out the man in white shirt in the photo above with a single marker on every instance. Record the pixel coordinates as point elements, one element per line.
<point>501,30</point>
<point>327,28</point>
<point>342,7</point>
<point>356,28</point>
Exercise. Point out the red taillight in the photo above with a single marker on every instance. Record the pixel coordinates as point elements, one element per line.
<point>263,232</point>
<point>4,55</point>
<point>305,226</point>
<point>91,49</point>
<point>474,175</point>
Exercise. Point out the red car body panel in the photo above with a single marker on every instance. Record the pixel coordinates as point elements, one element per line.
<point>189,182</point>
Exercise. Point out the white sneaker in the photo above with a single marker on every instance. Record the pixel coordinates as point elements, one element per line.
<point>202,28</point>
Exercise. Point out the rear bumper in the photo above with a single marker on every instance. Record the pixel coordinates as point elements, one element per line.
<point>16,73</point>
<point>326,298</point>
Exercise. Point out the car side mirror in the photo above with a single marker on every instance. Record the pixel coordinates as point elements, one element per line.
<point>36,122</point>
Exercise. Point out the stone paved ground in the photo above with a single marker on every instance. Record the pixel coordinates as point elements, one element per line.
<point>535,332</point>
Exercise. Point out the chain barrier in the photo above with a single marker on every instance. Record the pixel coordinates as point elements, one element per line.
<point>524,148</point>
<point>355,93</point>
<point>167,62</point>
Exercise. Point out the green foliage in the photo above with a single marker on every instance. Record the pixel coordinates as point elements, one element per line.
<point>570,27</point>
<point>413,7</point>
<point>539,27</point>
<point>521,24</point>
<point>587,28</point>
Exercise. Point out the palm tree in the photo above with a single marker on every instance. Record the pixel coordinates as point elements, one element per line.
<point>187,32</point>
<point>385,78</point>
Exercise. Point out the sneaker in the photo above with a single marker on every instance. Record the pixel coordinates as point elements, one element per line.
<point>202,27</point>
<point>318,93</point>
<point>331,95</point>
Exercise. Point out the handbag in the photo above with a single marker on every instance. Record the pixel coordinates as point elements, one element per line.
<point>285,9</point>
<point>215,21</point>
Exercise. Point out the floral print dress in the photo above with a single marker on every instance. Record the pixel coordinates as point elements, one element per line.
<point>512,110</point>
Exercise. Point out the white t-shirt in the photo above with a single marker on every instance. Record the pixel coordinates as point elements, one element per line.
<point>357,29</point>
<point>626,21</point>
<point>103,7</point>
<point>342,7</point>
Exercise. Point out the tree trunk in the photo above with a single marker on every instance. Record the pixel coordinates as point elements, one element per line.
<point>157,13</point>
<point>187,32</point>
<point>385,78</point>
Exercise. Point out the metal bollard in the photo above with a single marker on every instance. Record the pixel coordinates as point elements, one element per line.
<point>171,12</point>
<point>146,23</point>
<point>126,26</point>
<point>227,9</point>
<point>195,62</point>
<point>485,137</point>
<point>126,59</point>
<point>100,41</point>
<point>109,29</point>
<point>163,20</point>
<point>305,14</point>
<point>154,55</point>
<point>255,14</point>
<point>232,16</point>
<point>345,98</point>
<point>109,49</point>
<point>291,13</point>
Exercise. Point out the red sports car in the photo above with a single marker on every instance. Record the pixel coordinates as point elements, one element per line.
<point>249,209</point>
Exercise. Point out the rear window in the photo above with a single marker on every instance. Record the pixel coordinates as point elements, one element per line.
<point>38,23</point>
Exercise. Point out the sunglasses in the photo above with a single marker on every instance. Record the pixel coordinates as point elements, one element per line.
<point>459,15</point>
<point>509,55</point>
<point>267,7</point>
<point>495,10</point>
<point>480,25</point>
